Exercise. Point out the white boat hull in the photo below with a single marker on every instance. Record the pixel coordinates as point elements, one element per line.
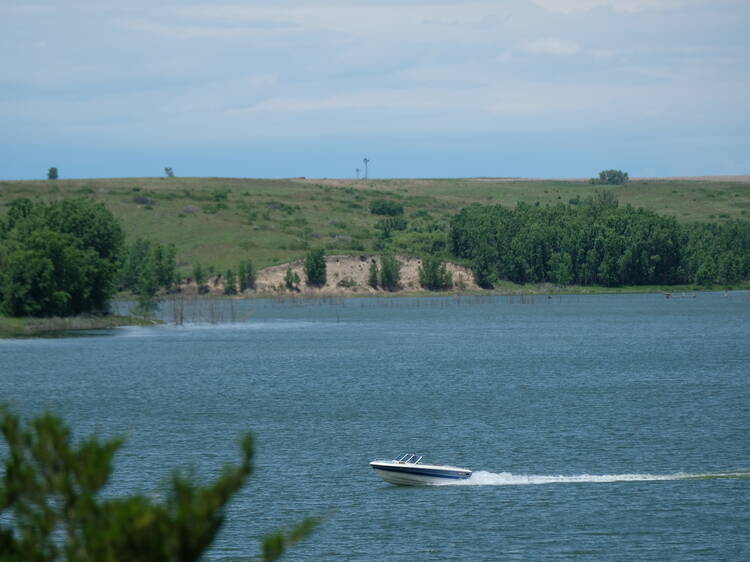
<point>409,474</point>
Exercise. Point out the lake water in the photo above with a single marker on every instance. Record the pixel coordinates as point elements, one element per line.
<point>598,427</point>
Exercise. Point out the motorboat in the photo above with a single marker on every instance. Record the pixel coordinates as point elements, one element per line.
<point>408,470</point>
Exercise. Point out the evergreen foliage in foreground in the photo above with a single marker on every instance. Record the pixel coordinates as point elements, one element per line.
<point>50,508</point>
<point>597,243</point>
<point>58,259</point>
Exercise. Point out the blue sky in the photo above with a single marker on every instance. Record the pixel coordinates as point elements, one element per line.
<point>534,88</point>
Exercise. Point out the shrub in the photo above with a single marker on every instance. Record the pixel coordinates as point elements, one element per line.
<point>433,274</point>
<point>390,224</point>
<point>385,207</point>
<point>291,279</point>
<point>390,273</point>
<point>220,195</point>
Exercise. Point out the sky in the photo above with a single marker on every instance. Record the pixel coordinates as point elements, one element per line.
<point>508,88</point>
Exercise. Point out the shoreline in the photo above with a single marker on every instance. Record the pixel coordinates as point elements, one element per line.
<point>15,328</point>
<point>32,327</point>
<point>502,289</point>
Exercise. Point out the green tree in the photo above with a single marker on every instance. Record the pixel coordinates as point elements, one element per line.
<point>247,275</point>
<point>291,279</point>
<point>390,273</point>
<point>51,506</point>
<point>169,172</point>
<point>52,173</point>
<point>165,258</point>
<point>18,209</point>
<point>147,268</point>
<point>230,283</point>
<point>136,255</point>
<point>560,268</point>
<point>372,279</point>
<point>198,275</point>
<point>434,275</point>
<point>315,267</point>
<point>146,288</point>
<point>58,259</point>
<point>200,278</point>
<point>611,177</point>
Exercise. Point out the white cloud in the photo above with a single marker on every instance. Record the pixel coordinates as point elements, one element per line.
<point>315,69</point>
<point>557,47</point>
<point>570,6</point>
<point>415,22</point>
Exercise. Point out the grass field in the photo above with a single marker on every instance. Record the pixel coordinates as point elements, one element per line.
<point>220,221</point>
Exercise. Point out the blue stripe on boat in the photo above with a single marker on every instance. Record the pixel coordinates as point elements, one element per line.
<point>435,472</point>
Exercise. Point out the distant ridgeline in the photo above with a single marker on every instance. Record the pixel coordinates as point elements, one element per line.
<point>597,243</point>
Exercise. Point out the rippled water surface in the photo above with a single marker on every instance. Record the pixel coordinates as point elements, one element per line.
<point>599,427</point>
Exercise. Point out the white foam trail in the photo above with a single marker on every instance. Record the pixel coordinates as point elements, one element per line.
<point>484,478</point>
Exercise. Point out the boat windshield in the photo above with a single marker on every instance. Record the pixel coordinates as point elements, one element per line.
<point>409,457</point>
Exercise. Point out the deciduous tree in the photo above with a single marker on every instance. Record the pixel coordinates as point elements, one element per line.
<point>58,259</point>
<point>390,273</point>
<point>315,267</point>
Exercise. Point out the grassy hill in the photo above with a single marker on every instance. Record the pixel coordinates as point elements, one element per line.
<point>219,221</point>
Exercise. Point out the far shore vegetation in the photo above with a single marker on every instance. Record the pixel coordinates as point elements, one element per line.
<point>67,247</point>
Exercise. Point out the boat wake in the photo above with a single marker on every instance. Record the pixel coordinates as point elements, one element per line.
<point>484,478</point>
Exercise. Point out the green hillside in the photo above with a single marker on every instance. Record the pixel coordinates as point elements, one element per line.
<point>219,221</point>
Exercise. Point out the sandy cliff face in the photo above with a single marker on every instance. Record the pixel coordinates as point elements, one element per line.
<point>349,275</point>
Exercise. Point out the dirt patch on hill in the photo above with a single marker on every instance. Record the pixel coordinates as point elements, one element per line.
<point>350,274</point>
<point>345,275</point>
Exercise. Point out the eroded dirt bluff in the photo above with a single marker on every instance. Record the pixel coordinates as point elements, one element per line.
<point>348,275</point>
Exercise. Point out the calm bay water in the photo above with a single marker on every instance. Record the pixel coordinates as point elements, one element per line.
<point>598,427</point>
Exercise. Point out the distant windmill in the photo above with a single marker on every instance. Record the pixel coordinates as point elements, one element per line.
<point>366,160</point>
<point>357,173</point>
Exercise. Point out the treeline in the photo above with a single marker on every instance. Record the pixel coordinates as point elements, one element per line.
<point>147,267</point>
<point>58,259</point>
<point>69,257</point>
<point>597,243</point>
